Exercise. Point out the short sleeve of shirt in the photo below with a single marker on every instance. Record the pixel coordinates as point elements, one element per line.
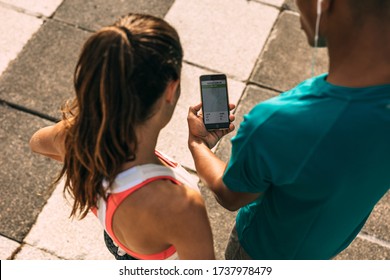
<point>247,170</point>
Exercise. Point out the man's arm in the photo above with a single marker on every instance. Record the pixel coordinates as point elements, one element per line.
<point>208,166</point>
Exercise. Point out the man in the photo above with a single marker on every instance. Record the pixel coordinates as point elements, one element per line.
<point>308,166</point>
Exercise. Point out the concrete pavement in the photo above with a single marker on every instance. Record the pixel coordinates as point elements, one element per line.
<point>258,44</point>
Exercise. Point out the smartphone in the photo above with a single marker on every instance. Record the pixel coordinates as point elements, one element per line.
<point>215,101</point>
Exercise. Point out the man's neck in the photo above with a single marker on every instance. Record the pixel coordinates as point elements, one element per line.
<point>360,58</point>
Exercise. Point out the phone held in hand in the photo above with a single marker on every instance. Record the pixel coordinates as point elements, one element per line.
<point>215,101</point>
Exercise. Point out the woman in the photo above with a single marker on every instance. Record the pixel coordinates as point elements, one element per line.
<point>127,83</point>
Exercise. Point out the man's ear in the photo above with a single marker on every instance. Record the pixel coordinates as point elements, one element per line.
<point>170,91</point>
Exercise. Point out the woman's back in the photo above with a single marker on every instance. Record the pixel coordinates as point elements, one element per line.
<point>150,204</point>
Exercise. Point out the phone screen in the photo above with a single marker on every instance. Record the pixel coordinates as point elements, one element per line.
<point>215,101</point>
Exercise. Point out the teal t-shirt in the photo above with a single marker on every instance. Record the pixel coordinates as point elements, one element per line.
<point>320,154</point>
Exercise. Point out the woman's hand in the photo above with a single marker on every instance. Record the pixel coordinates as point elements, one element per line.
<point>198,132</point>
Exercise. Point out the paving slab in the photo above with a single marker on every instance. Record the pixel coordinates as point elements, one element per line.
<point>98,13</point>
<point>287,58</point>
<point>15,30</point>
<point>251,96</point>
<point>7,247</point>
<point>174,137</point>
<point>225,36</point>
<point>25,177</point>
<point>39,7</point>
<point>290,5</point>
<point>41,79</point>
<point>221,221</point>
<point>361,249</point>
<point>54,232</point>
<point>378,224</point>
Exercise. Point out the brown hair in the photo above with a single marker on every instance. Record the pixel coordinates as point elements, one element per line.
<point>122,71</point>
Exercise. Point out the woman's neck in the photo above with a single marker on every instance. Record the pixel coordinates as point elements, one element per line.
<point>147,135</point>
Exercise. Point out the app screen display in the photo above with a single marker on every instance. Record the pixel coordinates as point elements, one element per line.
<point>215,101</point>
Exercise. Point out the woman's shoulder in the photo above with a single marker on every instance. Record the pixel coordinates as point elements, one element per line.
<point>162,196</point>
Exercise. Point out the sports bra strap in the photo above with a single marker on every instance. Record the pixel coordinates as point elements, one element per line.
<point>138,174</point>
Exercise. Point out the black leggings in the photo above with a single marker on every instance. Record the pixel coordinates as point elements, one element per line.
<point>114,249</point>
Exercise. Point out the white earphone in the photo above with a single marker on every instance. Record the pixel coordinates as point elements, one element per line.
<point>319,11</point>
<point>316,35</point>
<point>319,7</point>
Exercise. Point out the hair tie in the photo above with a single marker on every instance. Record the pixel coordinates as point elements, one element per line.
<point>128,33</point>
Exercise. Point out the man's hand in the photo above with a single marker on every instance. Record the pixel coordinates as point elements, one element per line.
<point>198,132</point>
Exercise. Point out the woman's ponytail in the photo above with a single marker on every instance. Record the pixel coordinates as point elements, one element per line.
<point>122,70</point>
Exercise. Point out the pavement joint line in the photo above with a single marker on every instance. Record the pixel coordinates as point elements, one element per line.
<point>374,239</point>
<point>267,41</point>
<point>250,83</point>
<point>74,25</point>
<point>214,71</point>
<point>28,111</point>
<point>14,253</point>
<point>190,170</point>
<point>22,10</point>
<point>9,238</point>
<point>19,249</point>
<point>43,17</point>
<point>266,4</point>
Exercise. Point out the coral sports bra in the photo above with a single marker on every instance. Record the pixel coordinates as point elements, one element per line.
<point>130,180</point>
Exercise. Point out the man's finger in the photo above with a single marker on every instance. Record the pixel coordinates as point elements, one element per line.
<point>195,109</point>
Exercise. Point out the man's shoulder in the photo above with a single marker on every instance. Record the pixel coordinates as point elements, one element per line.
<point>291,109</point>
<point>309,90</point>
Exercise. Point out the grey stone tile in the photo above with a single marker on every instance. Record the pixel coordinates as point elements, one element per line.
<point>221,221</point>
<point>287,58</point>
<point>228,39</point>
<point>39,7</point>
<point>73,239</point>
<point>42,77</point>
<point>290,5</point>
<point>7,248</point>
<point>251,96</point>
<point>361,249</point>
<point>15,30</point>
<point>98,13</point>
<point>378,224</point>
<point>25,177</point>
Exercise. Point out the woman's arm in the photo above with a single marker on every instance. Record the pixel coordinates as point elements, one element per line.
<point>49,141</point>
